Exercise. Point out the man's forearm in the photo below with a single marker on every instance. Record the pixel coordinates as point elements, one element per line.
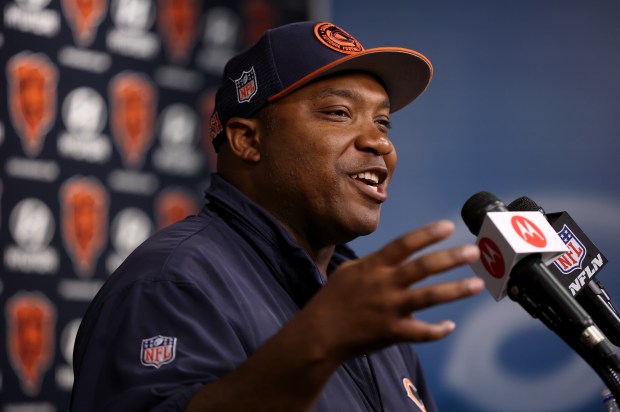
<point>287,373</point>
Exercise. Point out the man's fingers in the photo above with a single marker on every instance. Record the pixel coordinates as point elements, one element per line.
<point>436,262</point>
<point>401,248</point>
<point>415,330</point>
<point>427,296</point>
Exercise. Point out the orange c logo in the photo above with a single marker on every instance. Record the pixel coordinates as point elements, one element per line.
<point>412,393</point>
<point>337,39</point>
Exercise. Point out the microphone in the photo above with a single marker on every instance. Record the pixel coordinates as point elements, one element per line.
<point>505,238</point>
<point>576,269</point>
<point>515,248</point>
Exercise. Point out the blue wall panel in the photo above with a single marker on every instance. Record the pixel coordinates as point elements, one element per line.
<point>524,101</point>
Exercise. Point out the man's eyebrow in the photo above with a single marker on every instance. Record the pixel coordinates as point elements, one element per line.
<point>346,93</point>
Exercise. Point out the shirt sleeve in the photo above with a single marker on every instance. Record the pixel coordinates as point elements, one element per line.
<point>150,347</point>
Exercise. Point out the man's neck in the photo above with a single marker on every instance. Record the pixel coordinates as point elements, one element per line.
<point>320,255</point>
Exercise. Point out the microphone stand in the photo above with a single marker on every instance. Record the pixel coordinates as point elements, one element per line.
<point>602,359</point>
<point>595,300</point>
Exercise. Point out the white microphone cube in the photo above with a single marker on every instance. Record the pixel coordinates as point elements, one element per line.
<point>507,237</point>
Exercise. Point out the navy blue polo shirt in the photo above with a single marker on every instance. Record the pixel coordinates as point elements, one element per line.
<point>198,298</point>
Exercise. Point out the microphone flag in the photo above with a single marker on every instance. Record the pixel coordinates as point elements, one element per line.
<point>507,237</point>
<point>575,268</point>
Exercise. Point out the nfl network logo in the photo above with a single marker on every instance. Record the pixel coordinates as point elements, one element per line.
<point>573,259</point>
<point>158,350</point>
<point>246,86</point>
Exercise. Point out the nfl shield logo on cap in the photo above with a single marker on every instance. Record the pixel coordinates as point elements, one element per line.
<point>158,350</point>
<point>246,86</point>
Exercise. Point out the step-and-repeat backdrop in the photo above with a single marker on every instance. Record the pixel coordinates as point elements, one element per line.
<point>103,140</point>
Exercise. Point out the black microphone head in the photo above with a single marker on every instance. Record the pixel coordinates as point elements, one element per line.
<point>476,207</point>
<point>525,204</point>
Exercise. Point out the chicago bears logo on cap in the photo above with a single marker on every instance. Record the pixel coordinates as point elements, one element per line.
<point>337,39</point>
<point>246,85</point>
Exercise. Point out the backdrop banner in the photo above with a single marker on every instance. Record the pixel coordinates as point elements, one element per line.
<point>104,139</point>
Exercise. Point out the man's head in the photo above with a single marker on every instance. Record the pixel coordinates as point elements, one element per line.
<point>291,56</point>
<point>312,148</point>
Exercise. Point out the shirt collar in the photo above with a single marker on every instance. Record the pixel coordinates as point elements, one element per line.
<point>280,251</point>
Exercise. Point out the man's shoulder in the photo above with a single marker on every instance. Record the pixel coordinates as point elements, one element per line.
<point>180,253</point>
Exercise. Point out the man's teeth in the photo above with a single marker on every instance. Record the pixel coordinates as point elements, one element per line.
<point>370,178</point>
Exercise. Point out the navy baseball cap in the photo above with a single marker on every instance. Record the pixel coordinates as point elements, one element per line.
<point>288,57</point>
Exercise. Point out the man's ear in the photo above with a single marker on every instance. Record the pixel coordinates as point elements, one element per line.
<point>243,138</point>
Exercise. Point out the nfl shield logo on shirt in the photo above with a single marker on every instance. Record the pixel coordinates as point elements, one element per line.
<point>246,86</point>
<point>158,350</point>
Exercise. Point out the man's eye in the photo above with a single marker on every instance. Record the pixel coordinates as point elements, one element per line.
<point>339,113</point>
<point>385,123</point>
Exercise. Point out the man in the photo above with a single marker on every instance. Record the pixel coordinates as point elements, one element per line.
<point>256,303</point>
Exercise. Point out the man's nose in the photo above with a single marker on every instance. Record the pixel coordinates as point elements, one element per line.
<point>371,139</point>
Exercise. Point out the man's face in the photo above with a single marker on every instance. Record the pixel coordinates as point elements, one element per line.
<point>327,159</point>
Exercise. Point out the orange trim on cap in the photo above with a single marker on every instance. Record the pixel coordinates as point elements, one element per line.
<point>317,72</point>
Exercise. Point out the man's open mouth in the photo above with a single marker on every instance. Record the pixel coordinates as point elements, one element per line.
<point>372,179</point>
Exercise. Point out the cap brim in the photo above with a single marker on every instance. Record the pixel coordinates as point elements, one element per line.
<point>405,73</point>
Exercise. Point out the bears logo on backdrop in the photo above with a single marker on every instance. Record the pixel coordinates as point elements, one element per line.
<point>84,16</point>
<point>132,101</point>
<point>258,16</point>
<point>173,205</point>
<point>32,82</point>
<point>31,318</point>
<point>177,21</point>
<point>84,205</point>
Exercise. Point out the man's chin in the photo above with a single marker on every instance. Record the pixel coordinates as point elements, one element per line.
<point>363,229</point>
